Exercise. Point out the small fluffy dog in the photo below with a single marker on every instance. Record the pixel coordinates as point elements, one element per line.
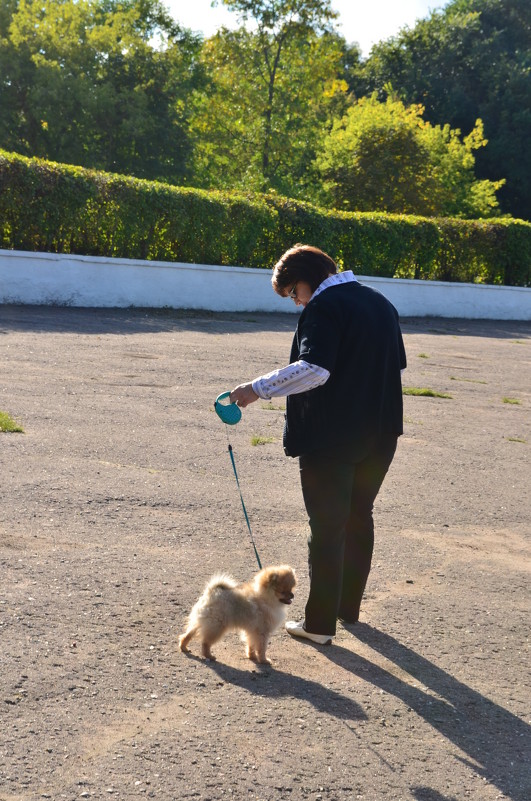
<point>255,608</point>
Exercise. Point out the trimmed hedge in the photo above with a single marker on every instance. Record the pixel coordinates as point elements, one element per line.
<point>64,209</point>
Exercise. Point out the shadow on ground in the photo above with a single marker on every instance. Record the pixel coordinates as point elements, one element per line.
<point>272,683</point>
<point>66,319</point>
<point>480,728</point>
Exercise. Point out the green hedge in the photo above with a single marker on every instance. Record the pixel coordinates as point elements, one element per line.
<point>63,209</point>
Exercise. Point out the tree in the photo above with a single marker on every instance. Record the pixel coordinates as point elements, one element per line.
<point>99,83</point>
<point>470,60</point>
<point>272,87</point>
<point>386,157</point>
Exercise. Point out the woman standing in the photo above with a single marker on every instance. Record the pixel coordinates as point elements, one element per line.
<point>343,419</point>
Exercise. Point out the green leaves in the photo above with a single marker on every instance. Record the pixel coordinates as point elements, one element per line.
<point>276,15</point>
<point>470,60</point>
<point>259,122</point>
<point>63,209</point>
<point>99,83</point>
<point>384,156</point>
<point>281,105</point>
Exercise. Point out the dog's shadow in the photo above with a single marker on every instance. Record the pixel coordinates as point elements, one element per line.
<point>269,682</point>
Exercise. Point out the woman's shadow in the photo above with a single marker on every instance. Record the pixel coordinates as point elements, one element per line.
<point>497,741</point>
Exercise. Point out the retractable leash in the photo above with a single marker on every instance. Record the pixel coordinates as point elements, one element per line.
<point>231,414</point>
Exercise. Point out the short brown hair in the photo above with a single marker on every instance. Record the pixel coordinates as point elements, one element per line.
<point>302,263</point>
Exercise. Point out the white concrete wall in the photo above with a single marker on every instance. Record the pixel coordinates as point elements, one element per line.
<point>89,281</point>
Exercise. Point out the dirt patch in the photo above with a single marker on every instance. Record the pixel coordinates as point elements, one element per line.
<point>118,503</point>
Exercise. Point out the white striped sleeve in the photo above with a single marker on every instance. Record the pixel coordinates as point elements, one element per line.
<point>298,377</point>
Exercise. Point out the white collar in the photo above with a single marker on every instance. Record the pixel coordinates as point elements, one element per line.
<point>337,278</point>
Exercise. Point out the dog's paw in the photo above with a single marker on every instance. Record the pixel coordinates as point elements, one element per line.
<point>259,660</point>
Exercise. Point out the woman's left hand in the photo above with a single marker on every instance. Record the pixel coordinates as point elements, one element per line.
<point>243,395</point>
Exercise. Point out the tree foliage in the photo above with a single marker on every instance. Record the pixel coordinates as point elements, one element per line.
<point>470,60</point>
<point>276,16</point>
<point>260,121</point>
<point>272,87</point>
<point>386,157</point>
<point>101,83</point>
<point>119,85</point>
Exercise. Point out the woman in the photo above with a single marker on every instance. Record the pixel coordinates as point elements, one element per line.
<point>343,419</point>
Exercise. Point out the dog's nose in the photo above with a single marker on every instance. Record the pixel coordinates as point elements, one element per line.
<point>290,595</point>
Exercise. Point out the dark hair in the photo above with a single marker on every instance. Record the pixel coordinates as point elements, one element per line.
<point>302,263</point>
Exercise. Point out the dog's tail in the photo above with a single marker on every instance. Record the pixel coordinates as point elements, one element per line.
<point>220,582</point>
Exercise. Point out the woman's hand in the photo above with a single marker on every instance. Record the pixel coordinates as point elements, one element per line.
<point>243,395</point>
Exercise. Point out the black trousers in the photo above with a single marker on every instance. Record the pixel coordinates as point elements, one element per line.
<point>339,490</point>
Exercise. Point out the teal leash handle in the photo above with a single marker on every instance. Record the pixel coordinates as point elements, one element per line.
<point>243,506</point>
<point>229,413</point>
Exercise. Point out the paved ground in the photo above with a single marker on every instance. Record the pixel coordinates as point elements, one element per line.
<point>119,501</point>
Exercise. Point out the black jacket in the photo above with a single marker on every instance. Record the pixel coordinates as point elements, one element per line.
<point>354,332</point>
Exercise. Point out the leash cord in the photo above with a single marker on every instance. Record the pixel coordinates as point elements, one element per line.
<point>243,504</point>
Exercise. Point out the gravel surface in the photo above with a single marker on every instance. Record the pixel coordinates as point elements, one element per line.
<point>119,502</point>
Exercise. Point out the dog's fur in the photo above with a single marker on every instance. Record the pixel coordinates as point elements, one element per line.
<point>255,608</point>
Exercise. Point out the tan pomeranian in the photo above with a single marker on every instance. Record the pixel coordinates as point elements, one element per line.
<point>255,608</point>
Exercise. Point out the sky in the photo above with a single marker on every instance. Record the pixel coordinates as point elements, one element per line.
<point>363,21</point>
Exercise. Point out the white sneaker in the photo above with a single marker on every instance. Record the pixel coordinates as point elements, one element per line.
<point>298,630</point>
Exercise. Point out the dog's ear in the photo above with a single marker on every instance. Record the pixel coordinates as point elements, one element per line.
<point>273,579</point>
<point>287,574</point>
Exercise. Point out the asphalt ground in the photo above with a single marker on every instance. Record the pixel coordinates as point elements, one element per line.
<point>119,502</point>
